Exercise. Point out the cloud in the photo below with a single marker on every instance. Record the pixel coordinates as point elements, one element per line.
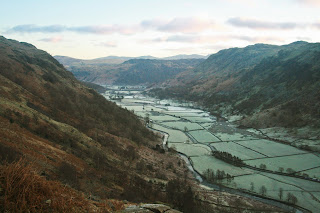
<point>55,39</point>
<point>94,29</point>
<point>107,44</point>
<point>216,38</point>
<point>103,30</point>
<point>309,2</point>
<point>262,25</point>
<point>317,25</point>
<point>182,25</point>
<point>187,25</point>
<point>30,28</point>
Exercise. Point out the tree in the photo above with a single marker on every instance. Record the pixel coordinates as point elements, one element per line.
<point>186,129</point>
<point>281,169</point>
<point>147,118</point>
<point>280,193</point>
<point>188,201</point>
<point>290,170</point>
<point>252,186</point>
<point>291,198</point>
<point>263,190</point>
<point>263,166</point>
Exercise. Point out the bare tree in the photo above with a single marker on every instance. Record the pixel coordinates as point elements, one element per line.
<point>280,193</point>
<point>252,186</point>
<point>263,190</point>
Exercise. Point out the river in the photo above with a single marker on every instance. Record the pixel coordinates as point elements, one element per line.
<point>194,133</point>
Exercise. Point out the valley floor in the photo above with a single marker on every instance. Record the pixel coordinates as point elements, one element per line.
<point>272,169</point>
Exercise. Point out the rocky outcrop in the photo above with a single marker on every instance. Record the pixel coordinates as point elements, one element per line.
<point>150,208</point>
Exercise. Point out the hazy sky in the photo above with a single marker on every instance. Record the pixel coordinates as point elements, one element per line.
<point>98,28</point>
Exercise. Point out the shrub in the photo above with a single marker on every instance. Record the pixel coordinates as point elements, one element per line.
<point>68,173</point>
<point>8,154</point>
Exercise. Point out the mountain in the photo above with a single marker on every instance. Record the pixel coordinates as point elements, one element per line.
<point>269,85</point>
<point>76,149</point>
<point>147,71</point>
<point>120,70</point>
<point>69,62</point>
<point>131,72</point>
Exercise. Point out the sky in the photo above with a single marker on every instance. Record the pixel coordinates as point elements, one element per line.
<point>89,29</point>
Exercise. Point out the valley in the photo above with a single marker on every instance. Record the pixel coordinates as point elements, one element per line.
<point>271,169</point>
<point>160,106</point>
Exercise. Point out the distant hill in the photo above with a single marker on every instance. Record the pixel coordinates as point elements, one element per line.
<point>67,61</point>
<point>130,72</point>
<point>147,71</point>
<point>269,85</point>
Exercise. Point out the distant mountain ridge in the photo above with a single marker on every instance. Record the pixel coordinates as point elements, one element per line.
<point>270,85</point>
<point>67,61</point>
<point>143,70</point>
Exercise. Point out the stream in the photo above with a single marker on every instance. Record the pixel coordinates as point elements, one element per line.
<point>195,134</point>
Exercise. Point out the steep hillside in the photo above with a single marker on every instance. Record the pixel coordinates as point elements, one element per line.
<point>268,85</point>
<point>72,135</point>
<point>131,72</point>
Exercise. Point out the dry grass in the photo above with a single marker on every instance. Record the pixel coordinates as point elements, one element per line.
<point>26,191</point>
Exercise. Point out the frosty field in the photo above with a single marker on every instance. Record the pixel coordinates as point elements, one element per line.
<point>203,136</point>
<point>237,150</point>
<point>271,148</point>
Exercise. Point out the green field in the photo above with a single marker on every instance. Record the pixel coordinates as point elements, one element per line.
<point>203,136</point>
<point>232,136</point>
<point>198,119</point>
<point>203,163</point>
<point>180,125</point>
<point>162,117</point>
<point>273,183</point>
<point>186,114</point>
<point>207,125</point>
<point>238,143</point>
<point>270,148</point>
<point>191,149</point>
<point>237,150</point>
<point>295,162</point>
<point>313,173</point>
<point>174,135</point>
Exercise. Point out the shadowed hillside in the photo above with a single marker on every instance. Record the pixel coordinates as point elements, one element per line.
<point>131,72</point>
<point>269,85</point>
<point>72,135</point>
